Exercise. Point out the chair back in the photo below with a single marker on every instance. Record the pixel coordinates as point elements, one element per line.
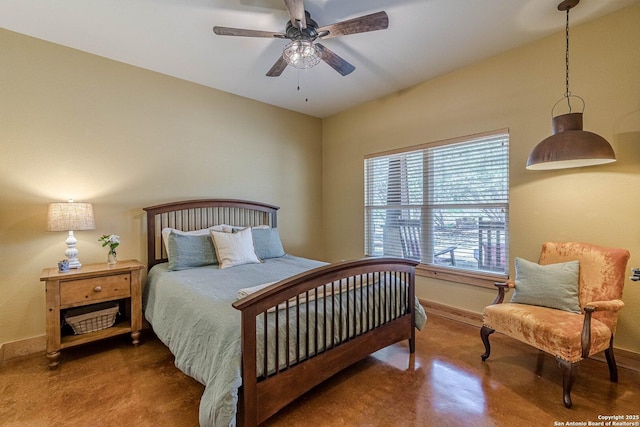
<point>410,238</point>
<point>602,272</point>
<point>491,245</point>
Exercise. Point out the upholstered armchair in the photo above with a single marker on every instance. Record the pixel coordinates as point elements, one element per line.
<point>567,305</point>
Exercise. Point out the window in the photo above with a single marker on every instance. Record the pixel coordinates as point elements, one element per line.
<point>445,204</point>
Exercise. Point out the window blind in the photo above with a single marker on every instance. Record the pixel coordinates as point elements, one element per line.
<point>445,203</point>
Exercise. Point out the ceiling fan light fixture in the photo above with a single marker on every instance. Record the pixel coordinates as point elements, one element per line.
<point>570,146</point>
<point>302,30</point>
<point>302,54</point>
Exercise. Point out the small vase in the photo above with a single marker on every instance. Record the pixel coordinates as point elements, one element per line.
<point>112,257</point>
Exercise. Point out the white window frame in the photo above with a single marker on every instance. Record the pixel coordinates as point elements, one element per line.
<point>402,207</point>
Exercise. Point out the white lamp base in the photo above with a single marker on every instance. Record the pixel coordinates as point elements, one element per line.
<point>72,253</point>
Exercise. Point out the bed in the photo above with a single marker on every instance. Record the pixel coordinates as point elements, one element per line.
<point>260,334</point>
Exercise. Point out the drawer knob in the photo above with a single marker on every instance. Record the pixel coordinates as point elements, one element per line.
<point>97,288</point>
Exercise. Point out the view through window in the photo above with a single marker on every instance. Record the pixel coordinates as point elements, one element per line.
<point>444,203</point>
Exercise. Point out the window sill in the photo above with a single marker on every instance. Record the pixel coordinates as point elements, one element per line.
<point>485,280</point>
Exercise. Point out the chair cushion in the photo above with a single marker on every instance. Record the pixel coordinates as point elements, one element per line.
<point>556,332</point>
<point>552,285</point>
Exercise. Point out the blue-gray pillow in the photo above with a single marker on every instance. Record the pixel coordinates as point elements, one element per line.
<point>552,285</point>
<point>189,251</point>
<point>267,243</point>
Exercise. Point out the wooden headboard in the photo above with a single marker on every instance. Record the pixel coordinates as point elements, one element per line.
<point>192,215</point>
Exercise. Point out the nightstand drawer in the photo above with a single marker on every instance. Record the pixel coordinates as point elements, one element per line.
<point>85,291</point>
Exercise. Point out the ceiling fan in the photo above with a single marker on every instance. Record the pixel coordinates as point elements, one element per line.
<point>303,51</point>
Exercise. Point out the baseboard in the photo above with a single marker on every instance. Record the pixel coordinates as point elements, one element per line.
<point>624,358</point>
<point>464,316</point>
<point>25,347</point>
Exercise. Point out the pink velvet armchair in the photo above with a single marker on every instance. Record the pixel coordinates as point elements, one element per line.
<point>568,336</point>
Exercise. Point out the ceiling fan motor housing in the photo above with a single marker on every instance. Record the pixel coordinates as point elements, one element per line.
<point>310,33</point>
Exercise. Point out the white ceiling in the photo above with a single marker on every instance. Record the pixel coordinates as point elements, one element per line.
<point>425,39</point>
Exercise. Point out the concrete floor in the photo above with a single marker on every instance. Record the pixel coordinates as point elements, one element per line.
<point>443,384</point>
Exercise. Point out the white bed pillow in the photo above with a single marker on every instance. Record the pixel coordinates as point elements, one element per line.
<point>225,228</point>
<point>234,248</point>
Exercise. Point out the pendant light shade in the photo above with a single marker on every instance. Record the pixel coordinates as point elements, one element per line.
<point>570,146</point>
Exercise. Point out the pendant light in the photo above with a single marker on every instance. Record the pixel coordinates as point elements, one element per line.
<point>569,146</point>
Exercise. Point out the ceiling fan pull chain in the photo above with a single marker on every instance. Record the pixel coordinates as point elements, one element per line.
<point>298,74</point>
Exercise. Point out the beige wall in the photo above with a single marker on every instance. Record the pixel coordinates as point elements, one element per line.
<point>74,125</point>
<point>515,90</point>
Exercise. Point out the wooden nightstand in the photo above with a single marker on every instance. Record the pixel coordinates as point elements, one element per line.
<point>91,284</point>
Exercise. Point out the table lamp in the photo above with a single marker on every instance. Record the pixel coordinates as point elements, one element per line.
<point>71,216</point>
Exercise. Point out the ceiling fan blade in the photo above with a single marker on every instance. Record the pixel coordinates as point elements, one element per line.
<point>296,12</point>
<point>277,68</point>
<point>226,31</point>
<point>337,63</point>
<point>373,22</point>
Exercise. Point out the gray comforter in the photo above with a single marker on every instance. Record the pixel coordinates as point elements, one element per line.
<point>191,312</point>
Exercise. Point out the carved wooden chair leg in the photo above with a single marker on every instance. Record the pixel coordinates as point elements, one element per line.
<point>569,371</point>
<point>611,361</point>
<point>484,334</point>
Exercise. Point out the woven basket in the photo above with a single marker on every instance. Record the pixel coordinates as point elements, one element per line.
<point>92,318</point>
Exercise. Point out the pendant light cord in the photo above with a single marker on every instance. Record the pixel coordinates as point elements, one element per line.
<point>567,93</point>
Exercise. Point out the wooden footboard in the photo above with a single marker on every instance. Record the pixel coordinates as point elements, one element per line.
<point>332,317</point>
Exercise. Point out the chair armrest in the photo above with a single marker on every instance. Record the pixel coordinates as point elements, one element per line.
<point>611,305</point>
<point>502,288</point>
